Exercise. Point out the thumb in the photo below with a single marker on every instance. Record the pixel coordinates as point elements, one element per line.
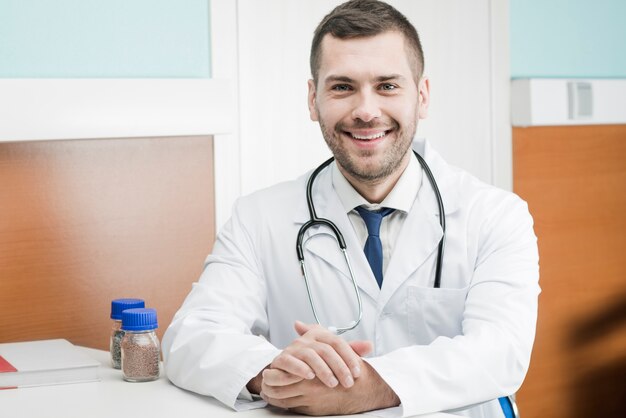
<point>362,348</point>
<point>302,328</point>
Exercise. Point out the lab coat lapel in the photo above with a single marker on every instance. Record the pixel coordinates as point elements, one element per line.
<point>418,239</point>
<point>447,178</point>
<point>328,205</point>
<point>421,231</point>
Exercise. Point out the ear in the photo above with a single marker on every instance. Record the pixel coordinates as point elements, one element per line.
<point>423,97</point>
<point>312,108</point>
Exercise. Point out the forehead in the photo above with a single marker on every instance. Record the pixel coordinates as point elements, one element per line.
<point>370,56</point>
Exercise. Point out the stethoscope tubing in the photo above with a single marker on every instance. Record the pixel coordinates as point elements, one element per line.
<point>442,219</point>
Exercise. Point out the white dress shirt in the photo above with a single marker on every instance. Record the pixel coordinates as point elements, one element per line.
<point>400,198</point>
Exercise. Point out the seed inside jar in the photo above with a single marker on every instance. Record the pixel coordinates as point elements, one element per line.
<point>139,361</point>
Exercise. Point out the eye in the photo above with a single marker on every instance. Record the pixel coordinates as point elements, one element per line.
<point>341,87</point>
<point>388,87</point>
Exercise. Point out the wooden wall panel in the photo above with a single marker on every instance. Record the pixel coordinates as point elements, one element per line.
<point>86,221</point>
<point>574,180</point>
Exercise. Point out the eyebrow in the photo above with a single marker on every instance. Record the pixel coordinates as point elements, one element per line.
<point>337,78</point>
<point>345,79</point>
<point>389,77</point>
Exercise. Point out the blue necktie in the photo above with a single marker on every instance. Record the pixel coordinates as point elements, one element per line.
<point>373,247</point>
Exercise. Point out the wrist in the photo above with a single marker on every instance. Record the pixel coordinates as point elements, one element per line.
<point>381,395</point>
<point>254,385</point>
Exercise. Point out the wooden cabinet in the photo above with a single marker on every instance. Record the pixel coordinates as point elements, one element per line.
<point>86,221</point>
<point>574,180</point>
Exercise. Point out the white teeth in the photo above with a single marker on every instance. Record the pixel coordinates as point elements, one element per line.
<point>368,138</point>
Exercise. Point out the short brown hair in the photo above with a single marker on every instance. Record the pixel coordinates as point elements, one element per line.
<point>362,18</point>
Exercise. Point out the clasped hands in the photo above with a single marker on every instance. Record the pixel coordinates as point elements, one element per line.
<point>320,373</point>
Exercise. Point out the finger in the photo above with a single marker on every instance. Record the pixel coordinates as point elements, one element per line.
<point>283,403</point>
<point>361,348</point>
<point>333,367</point>
<point>340,358</point>
<point>348,366</point>
<point>302,328</point>
<point>346,362</point>
<point>320,358</point>
<point>290,364</point>
<point>277,377</point>
<point>283,392</point>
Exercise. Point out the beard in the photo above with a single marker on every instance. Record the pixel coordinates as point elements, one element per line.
<point>364,166</point>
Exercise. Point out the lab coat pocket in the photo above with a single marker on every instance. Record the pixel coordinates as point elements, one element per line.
<point>435,312</point>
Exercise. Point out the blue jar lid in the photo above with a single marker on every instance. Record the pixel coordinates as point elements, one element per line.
<point>119,305</point>
<point>139,319</point>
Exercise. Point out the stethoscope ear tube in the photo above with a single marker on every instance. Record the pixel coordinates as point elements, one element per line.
<point>309,189</point>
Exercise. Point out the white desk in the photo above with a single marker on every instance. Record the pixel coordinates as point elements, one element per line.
<point>112,397</point>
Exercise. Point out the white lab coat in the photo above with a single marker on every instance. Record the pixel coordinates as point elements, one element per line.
<point>457,348</point>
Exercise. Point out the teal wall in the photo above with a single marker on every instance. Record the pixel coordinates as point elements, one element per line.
<point>568,38</point>
<point>168,38</point>
<point>104,38</point>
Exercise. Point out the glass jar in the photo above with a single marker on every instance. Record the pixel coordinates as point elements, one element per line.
<point>140,345</point>
<point>117,307</point>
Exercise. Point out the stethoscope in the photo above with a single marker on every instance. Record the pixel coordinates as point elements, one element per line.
<point>314,220</point>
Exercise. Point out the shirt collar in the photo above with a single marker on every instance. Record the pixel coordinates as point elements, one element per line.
<point>400,198</point>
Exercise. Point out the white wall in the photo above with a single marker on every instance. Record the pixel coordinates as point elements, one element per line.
<point>36,109</point>
<point>265,45</point>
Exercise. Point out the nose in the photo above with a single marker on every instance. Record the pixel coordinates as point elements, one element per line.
<point>366,107</point>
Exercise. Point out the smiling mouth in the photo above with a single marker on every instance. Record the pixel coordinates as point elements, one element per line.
<point>371,137</point>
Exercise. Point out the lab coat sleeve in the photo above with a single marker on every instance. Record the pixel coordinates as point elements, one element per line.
<point>215,343</point>
<point>491,356</point>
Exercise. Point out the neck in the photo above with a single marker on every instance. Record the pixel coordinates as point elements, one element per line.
<point>375,191</point>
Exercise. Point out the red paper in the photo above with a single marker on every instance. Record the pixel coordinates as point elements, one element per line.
<point>5,366</point>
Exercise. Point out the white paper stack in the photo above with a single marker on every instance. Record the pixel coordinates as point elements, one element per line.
<point>46,362</point>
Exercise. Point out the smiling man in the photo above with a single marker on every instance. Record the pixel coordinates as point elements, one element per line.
<point>367,96</point>
<point>416,330</point>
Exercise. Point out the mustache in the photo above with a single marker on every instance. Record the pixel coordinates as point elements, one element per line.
<point>359,124</point>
